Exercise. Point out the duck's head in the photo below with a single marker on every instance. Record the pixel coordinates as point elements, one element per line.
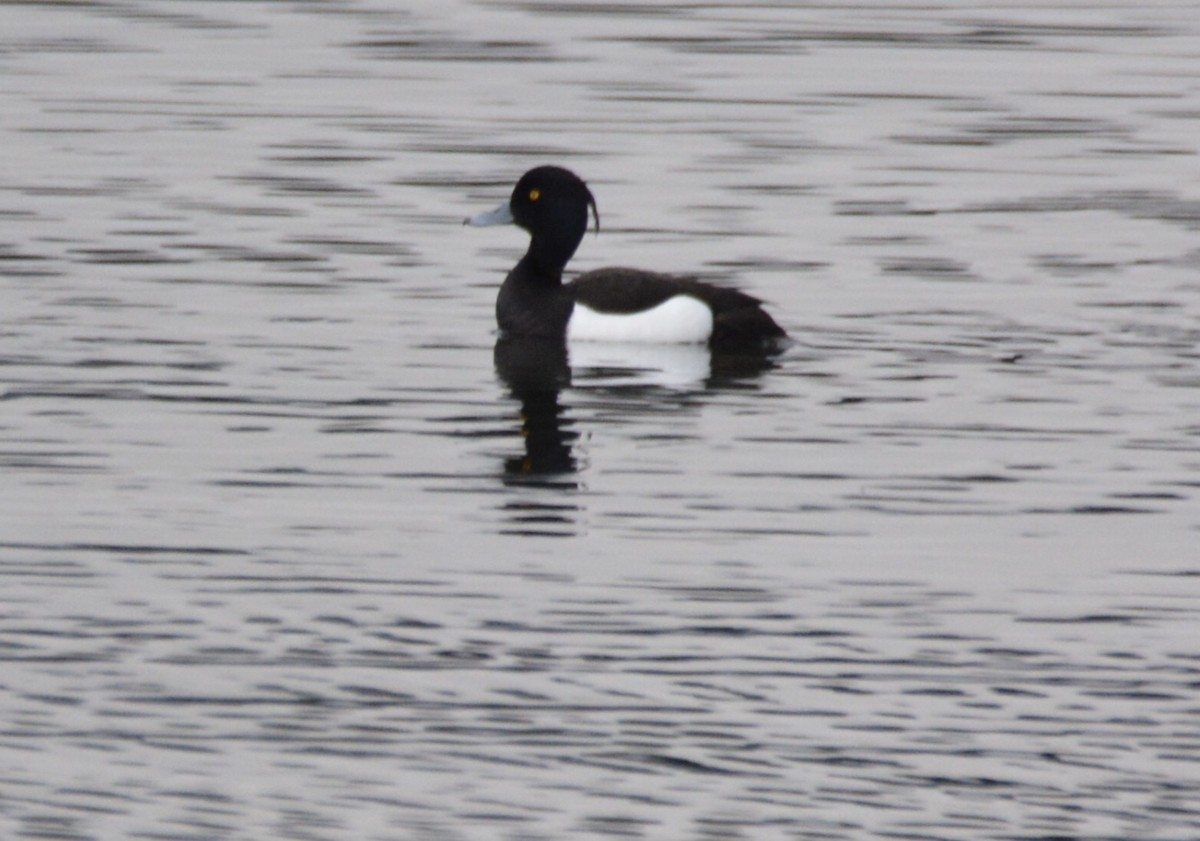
<point>551,203</point>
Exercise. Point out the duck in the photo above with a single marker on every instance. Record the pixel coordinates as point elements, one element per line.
<point>614,304</point>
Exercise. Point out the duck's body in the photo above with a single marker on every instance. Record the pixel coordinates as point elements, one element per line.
<point>611,304</point>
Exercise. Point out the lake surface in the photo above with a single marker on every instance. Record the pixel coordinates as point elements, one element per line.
<point>293,548</point>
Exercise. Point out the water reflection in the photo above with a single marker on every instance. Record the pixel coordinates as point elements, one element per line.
<point>621,383</point>
<point>535,372</point>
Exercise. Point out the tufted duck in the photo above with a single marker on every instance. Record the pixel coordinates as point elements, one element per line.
<point>610,304</point>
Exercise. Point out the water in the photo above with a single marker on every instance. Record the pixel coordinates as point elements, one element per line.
<point>293,548</point>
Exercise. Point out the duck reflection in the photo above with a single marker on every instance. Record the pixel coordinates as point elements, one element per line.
<point>660,377</point>
<point>536,371</point>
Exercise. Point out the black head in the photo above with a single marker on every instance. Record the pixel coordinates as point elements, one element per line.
<point>552,204</point>
<point>550,196</point>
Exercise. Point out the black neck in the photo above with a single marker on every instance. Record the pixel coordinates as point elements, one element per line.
<point>542,265</point>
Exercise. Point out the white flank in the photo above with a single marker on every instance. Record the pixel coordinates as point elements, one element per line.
<point>679,320</point>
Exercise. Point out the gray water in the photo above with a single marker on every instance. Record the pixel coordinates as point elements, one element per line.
<point>292,548</point>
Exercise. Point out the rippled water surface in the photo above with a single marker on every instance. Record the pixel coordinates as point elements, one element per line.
<point>293,548</point>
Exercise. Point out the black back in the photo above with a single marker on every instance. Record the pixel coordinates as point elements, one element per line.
<point>738,319</point>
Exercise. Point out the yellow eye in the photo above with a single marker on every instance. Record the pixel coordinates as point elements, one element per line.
<point>535,194</point>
